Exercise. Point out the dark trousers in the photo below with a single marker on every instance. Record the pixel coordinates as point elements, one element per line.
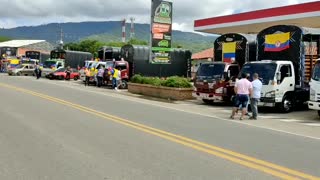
<point>86,82</point>
<point>99,81</point>
<point>114,83</point>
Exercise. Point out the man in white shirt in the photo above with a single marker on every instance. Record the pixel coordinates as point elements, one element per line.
<point>255,96</point>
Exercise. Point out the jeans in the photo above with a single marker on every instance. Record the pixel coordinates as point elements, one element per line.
<point>114,83</point>
<point>254,107</point>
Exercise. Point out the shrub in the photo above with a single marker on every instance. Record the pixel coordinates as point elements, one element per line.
<point>174,81</point>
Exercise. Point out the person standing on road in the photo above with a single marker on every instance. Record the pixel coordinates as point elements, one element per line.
<point>114,78</point>
<point>37,71</point>
<point>242,88</point>
<point>119,78</point>
<point>100,76</point>
<point>68,73</point>
<point>255,96</point>
<point>87,73</point>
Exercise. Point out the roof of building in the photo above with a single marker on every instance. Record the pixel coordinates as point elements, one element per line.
<point>208,53</point>
<point>303,15</point>
<point>19,43</point>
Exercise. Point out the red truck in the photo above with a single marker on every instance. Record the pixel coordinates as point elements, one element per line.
<point>214,81</point>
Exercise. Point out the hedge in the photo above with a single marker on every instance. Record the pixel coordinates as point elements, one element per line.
<point>173,81</point>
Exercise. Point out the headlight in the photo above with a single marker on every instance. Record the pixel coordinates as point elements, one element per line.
<point>271,94</point>
<point>219,90</point>
<point>312,95</point>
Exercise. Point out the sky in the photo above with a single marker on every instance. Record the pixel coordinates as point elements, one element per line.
<point>36,12</point>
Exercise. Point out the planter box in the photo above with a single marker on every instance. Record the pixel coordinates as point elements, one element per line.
<point>161,92</point>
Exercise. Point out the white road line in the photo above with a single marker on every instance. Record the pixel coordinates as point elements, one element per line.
<point>312,124</point>
<point>291,120</point>
<point>189,112</point>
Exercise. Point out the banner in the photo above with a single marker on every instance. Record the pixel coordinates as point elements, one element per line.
<point>277,42</point>
<point>229,52</point>
<point>161,32</point>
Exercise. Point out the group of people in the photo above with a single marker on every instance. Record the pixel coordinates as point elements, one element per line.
<point>105,75</point>
<point>247,91</point>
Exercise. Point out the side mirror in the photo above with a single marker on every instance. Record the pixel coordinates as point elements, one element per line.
<point>278,76</point>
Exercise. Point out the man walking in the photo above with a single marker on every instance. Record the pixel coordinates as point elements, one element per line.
<point>242,88</point>
<point>255,96</point>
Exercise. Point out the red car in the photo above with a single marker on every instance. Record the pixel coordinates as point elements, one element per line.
<point>61,74</point>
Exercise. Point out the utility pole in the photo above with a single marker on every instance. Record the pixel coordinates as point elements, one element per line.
<point>132,19</point>
<point>124,30</point>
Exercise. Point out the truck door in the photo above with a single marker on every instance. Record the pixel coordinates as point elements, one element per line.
<point>285,78</point>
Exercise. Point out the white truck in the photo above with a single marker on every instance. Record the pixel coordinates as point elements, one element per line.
<point>285,66</point>
<point>314,102</point>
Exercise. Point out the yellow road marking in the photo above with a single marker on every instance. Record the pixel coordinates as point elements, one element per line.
<point>269,168</point>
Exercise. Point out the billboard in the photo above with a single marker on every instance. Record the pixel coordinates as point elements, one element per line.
<point>161,32</point>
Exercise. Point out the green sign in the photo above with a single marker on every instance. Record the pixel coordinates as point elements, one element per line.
<point>161,32</point>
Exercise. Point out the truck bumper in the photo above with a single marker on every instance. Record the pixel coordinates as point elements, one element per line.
<point>314,105</point>
<point>208,96</point>
<point>267,102</point>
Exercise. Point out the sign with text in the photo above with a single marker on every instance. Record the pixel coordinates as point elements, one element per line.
<point>161,31</point>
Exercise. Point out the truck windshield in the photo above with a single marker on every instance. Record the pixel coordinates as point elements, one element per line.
<point>210,71</point>
<point>316,72</point>
<point>49,64</point>
<point>266,71</point>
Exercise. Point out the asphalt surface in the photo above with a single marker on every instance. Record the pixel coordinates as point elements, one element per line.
<point>60,130</point>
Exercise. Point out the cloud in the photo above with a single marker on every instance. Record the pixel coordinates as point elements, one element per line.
<point>31,12</point>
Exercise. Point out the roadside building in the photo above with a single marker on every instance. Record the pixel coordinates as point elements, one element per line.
<point>20,47</point>
<point>200,57</point>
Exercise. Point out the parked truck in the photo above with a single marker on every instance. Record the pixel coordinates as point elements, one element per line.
<point>71,58</point>
<point>107,53</point>
<point>314,101</point>
<point>138,59</point>
<point>214,81</point>
<point>285,60</point>
<point>37,55</point>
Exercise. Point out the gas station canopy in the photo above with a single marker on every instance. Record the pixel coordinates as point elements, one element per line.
<point>302,15</point>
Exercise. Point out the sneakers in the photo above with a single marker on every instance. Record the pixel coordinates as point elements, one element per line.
<point>252,118</point>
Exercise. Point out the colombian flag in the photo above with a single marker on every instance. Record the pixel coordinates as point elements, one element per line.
<point>277,42</point>
<point>229,51</point>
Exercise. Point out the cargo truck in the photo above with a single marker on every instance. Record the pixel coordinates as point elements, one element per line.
<point>138,59</point>
<point>314,101</point>
<point>214,81</point>
<point>285,59</point>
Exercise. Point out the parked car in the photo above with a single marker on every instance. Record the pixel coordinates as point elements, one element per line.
<point>22,70</point>
<point>61,74</point>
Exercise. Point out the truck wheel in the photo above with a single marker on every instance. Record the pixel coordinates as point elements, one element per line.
<point>76,78</point>
<point>207,101</point>
<point>287,104</point>
<point>319,113</point>
<point>124,84</point>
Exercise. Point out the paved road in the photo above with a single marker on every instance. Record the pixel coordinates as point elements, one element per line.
<point>51,131</point>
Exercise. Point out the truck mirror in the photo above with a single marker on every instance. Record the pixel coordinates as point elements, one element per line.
<point>278,76</point>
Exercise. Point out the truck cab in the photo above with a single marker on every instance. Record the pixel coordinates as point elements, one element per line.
<point>279,88</point>
<point>214,81</point>
<point>314,101</point>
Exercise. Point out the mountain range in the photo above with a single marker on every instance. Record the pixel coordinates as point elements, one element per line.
<point>103,31</point>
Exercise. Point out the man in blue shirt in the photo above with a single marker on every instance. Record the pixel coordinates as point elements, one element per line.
<point>255,96</point>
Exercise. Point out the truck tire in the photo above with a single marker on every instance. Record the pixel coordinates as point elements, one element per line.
<point>207,101</point>
<point>76,78</point>
<point>287,104</point>
<point>124,84</point>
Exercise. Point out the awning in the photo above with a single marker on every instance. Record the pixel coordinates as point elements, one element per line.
<point>302,15</point>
